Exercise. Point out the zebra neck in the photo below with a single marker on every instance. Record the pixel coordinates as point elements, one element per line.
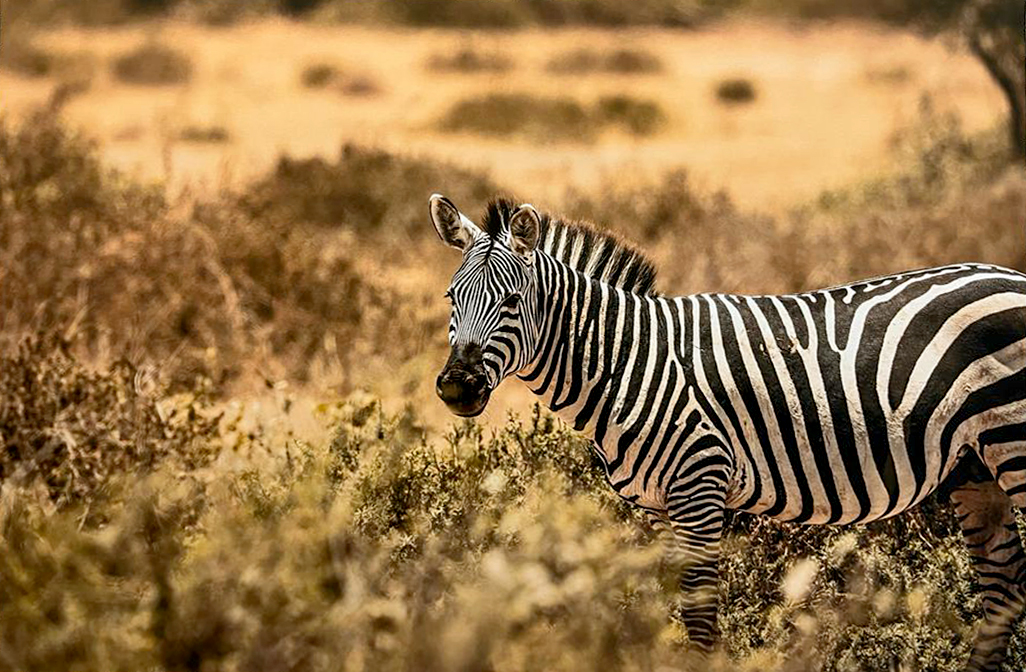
<point>601,351</point>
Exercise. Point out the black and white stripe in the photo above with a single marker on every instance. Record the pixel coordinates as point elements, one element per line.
<point>842,405</point>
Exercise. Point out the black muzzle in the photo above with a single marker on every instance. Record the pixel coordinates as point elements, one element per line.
<point>463,382</point>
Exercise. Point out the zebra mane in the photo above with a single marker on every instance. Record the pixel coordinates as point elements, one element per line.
<point>581,246</point>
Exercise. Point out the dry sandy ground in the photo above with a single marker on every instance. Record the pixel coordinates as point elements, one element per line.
<point>829,101</point>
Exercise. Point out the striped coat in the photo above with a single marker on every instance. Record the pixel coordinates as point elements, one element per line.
<point>841,405</point>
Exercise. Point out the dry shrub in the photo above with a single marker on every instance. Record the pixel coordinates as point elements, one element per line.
<point>325,75</point>
<point>379,549</point>
<point>365,190</point>
<point>463,552</point>
<point>441,13</point>
<point>639,117</point>
<point>153,64</point>
<point>539,119</point>
<point>736,91</point>
<point>73,429</point>
<point>319,75</point>
<point>729,250</point>
<point>469,60</point>
<point>915,219</point>
<point>617,61</point>
<point>957,201</point>
<point>24,58</point>
<point>550,119</point>
<point>205,134</point>
<point>101,261</point>
<point>268,281</point>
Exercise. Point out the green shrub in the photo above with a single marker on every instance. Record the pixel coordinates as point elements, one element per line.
<point>153,65</point>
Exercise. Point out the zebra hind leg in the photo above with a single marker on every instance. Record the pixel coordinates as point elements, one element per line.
<point>987,518</point>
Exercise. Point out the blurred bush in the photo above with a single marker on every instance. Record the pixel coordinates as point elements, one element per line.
<point>551,119</point>
<point>616,61</point>
<point>537,118</point>
<point>205,134</point>
<point>441,13</point>
<point>272,281</point>
<point>325,75</point>
<point>735,91</point>
<point>469,60</point>
<point>639,117</point>
<point>152,65</point>
<point>916,218</point>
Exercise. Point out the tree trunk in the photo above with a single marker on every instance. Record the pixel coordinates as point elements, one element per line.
<point>1002,51</point>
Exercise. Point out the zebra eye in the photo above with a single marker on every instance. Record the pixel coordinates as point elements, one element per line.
<point>448,296</point>
<point>511,301</point>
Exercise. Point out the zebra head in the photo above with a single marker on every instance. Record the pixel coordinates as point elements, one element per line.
<point>495,318</point>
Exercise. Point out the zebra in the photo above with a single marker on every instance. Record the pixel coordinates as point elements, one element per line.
<point>842,405</point>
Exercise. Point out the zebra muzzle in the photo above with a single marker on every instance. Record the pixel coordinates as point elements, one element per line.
<point>463,382</point>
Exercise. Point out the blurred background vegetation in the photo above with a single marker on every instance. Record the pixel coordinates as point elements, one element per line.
<point>221,316</point>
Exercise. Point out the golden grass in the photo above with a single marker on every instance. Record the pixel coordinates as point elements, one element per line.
<point>819,115</point>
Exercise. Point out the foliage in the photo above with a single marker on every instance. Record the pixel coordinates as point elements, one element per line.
<point>914,219</point>
<point>616,61</point>
<point>550,119</point>
<point>390,550</point>
<point>153,64</point>
<point>138,533</point>
<point>205,134</point>
<point>267,278</point>
<point>469,60</point>
<point>440,13</point>
<point>73,430</point>
<point>735,91</point>
<point>365,190</point>
<point>325,75</point>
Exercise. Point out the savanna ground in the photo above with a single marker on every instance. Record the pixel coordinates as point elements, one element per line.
<point>221,318</point>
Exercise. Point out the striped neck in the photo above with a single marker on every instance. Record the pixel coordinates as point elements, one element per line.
<point>589,367</point>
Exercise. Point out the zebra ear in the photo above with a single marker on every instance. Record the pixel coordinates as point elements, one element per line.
<point>452,226</point>
<point>524,230</point>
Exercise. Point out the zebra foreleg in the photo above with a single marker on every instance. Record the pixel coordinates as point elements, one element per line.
<point>987,519</point>
<point>696,517</point>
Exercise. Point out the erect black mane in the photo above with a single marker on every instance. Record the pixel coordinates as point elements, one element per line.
<point>597,254</point>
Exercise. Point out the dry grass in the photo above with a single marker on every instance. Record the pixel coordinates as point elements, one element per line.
<point>247,77</point>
